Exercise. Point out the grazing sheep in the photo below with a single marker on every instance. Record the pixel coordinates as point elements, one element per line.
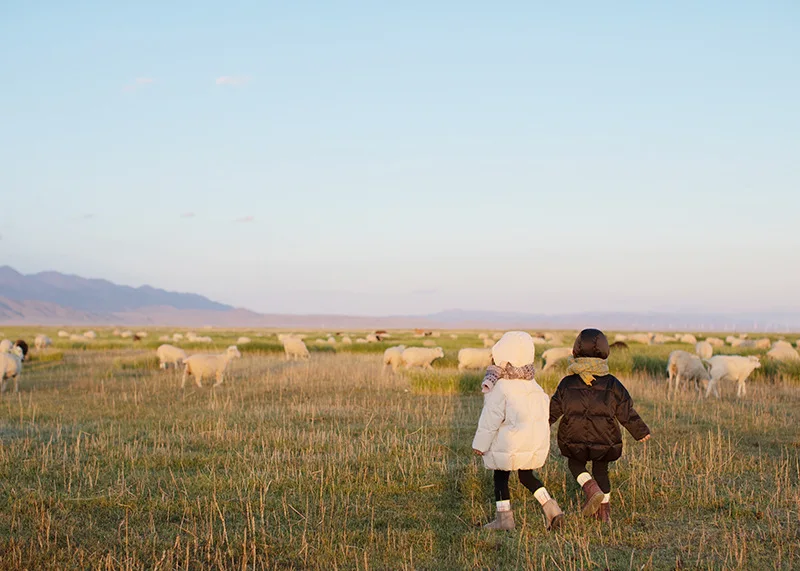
<point>42,341</point>
<point>331,340</point>
<point>619,346</point>
<point>200,366</point>
<point>453,336</point>
<point>704,350</point>
<point>126,334</point>
<point>643,338</point>
<point>743,343</point>
<point>243,341</point>
<point>621,337</point>
<point>76,337</point>
<point>539,340</point>
<point>6,345</point>
<point>474,358</point>
<point>660,339</point>
<point>688,338</point>
<point>177,337</point>
<point>170,355</point>
<point>783,352</point>
<point>393,357</point>
<point>421,356</point>
<point>115,333</point>
<point>63,334</point>
<point>483,335</point>
<point>346,340</point>
<point>763,343</point>
<point>361,341</point>
<point>731,367</point>
<point>496,336</point>
<point>372,338</point>
<point>681,366</point>
<point>164,338</point>
<point>553,338</point>
<point>295,348</point>
<point>10,368</point>
<point>319,341</point>
<point>554,355</point>
<point>141,334</point>
<point>715,341</point>
<point>90,335</point>
<point>488,342</point>
<point>201,339</point>
<point>429,343</point>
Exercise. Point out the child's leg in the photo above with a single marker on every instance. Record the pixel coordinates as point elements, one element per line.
<point>528,479</point>
<point>504,519</point>
<point>501,492</point>
<point>578,471</point>
<point>600,473</point>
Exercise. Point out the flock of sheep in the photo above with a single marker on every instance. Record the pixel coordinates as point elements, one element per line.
<point>702,368</point>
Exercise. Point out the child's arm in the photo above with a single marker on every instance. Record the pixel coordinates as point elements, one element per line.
<point>556,408</point>
<point>492,416</point>
<point>627,415</point>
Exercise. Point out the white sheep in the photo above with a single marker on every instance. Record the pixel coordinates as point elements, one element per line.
<point>126,334</point>
<point>176,337</point>
<point>10,368</point>
<point>743,343</point>
<point>42,341</point>
<point>201,339</point>
<point>243,341</point>
<point>474,358</point>
<point>539,340</point>
<point>688,338</point>
<point>436,334</point>
<point>421,356</point>
<point>715,341</point>
<point>621,337</point>
<point>6,345</point>
<point>644,338</point>
<point>553,356</point>
<point>453,336</point>
<point>141,334</point>
<point>372,338</point>
<point>331,340</point>
<point>730,339</point>
<point>660,339</point>
<point>200,366</point>
<point>346,340</point>
<point>704,349</point>
<point>731,367</point>
<point>90,335</point>
<point>681,366</point>
<point>783,352</point>
<point>488,342</point>
<point>63,334</point>
<point>170,355</point>
<point>319,341</point>
<point>164,338</point>
<point>115,333</point>
<point>497,336</point>
<point>763,343</point>
<point>393,357</point>
<point>483,336</point>
<point>295,348</point>
<point>76,337</point>
<point>361,341</point>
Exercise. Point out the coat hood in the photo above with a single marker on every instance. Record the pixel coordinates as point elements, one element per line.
<point>515,347</point>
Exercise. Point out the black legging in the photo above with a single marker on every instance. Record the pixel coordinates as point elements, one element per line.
<point>599,472</point>
<point>526,477</point>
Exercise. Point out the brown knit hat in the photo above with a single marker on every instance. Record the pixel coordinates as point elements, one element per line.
<point>591,343</point>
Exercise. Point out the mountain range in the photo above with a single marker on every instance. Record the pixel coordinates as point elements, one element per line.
<point>54,298</point>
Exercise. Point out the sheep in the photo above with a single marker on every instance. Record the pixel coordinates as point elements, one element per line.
<point>5,346</point>
<point>429,343</point>
<point>715,341</point>
<point>202,339</point>
<point>331,340</point>
<point>164,338</point>
<point>552,356</point>
<point>644,338</point>
<point>126,334</point>
<point>115,333</point>
<point>688,338</point>
<point>621,337</point>
<point>177,337</point>
<point>10,368</point>
<point>488,342</point>
<point>483,336</point>
<point>319,341</point>
<point>731,367</point>
<point>23,346</point>
<point>42,341</point>
<point>346,340</point>
<point>170,355</point>
<point>539,340</point>
<point>90,335</point>
<point>763,343</point>
<point>201,366</point>
<point>372,338</point>
<point>393,357</point>
<point>619,346</point>
<point>784,352</point>
<point>421,356</point>
<point>436,334</point>
<point>295,348</point>
<point>141,334</point>
<point>743,343</point>
<point>76,337</point>
<point>660,339</point>
<point>552,338</point>
<point>682,365</point>
<point>63,334</point>
<point>453,336</point>
<point>497,336</point>
<point>474,358</point>
<point>361,341</point>
<point>704,349</point>
<point>243,341</point>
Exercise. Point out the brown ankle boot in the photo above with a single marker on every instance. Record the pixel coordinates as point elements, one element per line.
<point>594,496</point>
<point>603,513</point>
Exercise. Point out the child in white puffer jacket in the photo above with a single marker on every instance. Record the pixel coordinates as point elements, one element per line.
<point>514,429</point>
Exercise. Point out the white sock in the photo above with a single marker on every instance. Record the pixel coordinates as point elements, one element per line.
<point>606,498</point>
<point>583,477</point>
<point>504,506</point>
<point>541,495</point>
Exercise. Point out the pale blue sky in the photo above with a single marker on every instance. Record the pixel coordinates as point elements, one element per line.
<point>408,158</point>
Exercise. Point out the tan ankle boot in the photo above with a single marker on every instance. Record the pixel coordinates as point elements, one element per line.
<point>554,517</point>
<point>594,496</point>
<point>502,521</point>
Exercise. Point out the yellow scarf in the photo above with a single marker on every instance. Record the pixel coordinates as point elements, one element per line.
<point>587,368</point>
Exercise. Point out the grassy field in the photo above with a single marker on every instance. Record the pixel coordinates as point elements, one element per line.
<point>329,464</point>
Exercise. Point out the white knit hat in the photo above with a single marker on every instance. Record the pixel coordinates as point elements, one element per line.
<point>515,347</point>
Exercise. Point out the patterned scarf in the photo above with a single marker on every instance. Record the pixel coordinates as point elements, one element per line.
<point>494,373</point>
<point>587,368</point>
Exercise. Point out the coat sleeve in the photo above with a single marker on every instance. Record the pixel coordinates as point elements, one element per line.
<point>492,416</point>
<point>627,415</point>
<point>556,408</point>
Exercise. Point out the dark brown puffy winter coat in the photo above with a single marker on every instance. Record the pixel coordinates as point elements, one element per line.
<point>589,429</point>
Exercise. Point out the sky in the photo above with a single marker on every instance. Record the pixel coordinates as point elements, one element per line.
<point>376,158</point>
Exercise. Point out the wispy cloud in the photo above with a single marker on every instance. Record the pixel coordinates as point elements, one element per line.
<point>188,215</point>
<point>245,219</point>
<point>139,83</point>
<point>234,80</point>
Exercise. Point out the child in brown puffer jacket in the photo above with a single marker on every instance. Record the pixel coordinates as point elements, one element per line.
<point>593,404</point>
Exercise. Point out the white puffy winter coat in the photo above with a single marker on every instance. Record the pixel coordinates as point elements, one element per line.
<point>514,428</point>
